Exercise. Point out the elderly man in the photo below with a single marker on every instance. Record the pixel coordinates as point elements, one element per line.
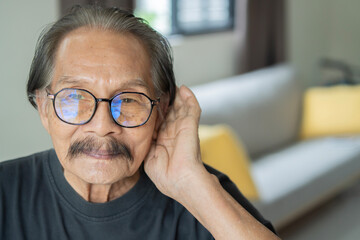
<point>126,162</point>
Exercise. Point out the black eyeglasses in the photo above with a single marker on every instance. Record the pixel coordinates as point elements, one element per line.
<point>78,106</point>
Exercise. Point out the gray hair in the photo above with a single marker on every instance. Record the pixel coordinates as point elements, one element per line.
<point>112,19</point>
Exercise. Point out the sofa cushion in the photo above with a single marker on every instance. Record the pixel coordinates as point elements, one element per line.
<point>262,107</point>
<point>293,179</point>
<point>331,111</point>
<point>221,149</point>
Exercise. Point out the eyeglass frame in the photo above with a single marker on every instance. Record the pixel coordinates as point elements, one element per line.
<point>97,100</point>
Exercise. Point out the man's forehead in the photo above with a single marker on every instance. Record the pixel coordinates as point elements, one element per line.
<point>98,36</point>
<point>99,58</point>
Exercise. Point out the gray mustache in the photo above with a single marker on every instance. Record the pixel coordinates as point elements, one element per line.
<point>90,144</point>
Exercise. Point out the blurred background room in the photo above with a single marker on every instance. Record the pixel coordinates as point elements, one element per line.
<point>278,84</point>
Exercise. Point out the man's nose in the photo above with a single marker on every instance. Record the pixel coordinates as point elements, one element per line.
<point>102,122</point>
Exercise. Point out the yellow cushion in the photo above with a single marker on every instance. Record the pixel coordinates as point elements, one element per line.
<point>224,152</point>
<point>331,111</point>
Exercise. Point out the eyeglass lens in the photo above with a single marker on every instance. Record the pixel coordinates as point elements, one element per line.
<point>76,106</point>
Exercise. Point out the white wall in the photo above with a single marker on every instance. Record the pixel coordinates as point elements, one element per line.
<point>204,58</point>
<point>21,22</point>
<point>322,28</point>
<point>308,35</point>
<point>345,34</point>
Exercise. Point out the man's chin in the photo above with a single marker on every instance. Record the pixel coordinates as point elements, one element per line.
<point>100,168</point>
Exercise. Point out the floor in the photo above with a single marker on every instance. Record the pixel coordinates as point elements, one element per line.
<point>337,219</point>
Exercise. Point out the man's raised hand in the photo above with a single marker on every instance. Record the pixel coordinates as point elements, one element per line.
<point>174,160</point>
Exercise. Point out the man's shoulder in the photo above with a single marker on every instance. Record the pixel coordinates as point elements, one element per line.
<point>27,164</point>
<point>26,159</point>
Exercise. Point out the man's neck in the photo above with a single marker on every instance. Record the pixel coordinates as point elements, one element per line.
<point>101,193</point>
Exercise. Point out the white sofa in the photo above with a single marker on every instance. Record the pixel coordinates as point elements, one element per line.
<point>264,109</point>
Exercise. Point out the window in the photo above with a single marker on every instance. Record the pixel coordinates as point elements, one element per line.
<point>187,16</point>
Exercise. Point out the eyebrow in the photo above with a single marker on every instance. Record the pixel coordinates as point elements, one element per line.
<point>70,80</point>
<point>138,82</point>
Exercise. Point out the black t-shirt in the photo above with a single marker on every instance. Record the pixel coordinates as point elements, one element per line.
<point>36,202</point>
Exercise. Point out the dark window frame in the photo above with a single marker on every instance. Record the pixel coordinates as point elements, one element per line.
<point>177,29</point>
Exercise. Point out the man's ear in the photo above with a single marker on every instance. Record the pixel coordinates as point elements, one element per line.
<point>163,108</point>
<point>42,106</point>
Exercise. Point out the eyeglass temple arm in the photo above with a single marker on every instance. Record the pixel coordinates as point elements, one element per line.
<point>51,96</point>
<point>155,102</point>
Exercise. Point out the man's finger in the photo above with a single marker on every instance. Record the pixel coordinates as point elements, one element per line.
<point>191,103</point>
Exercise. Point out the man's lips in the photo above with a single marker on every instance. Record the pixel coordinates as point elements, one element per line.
<point>101,154</point>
